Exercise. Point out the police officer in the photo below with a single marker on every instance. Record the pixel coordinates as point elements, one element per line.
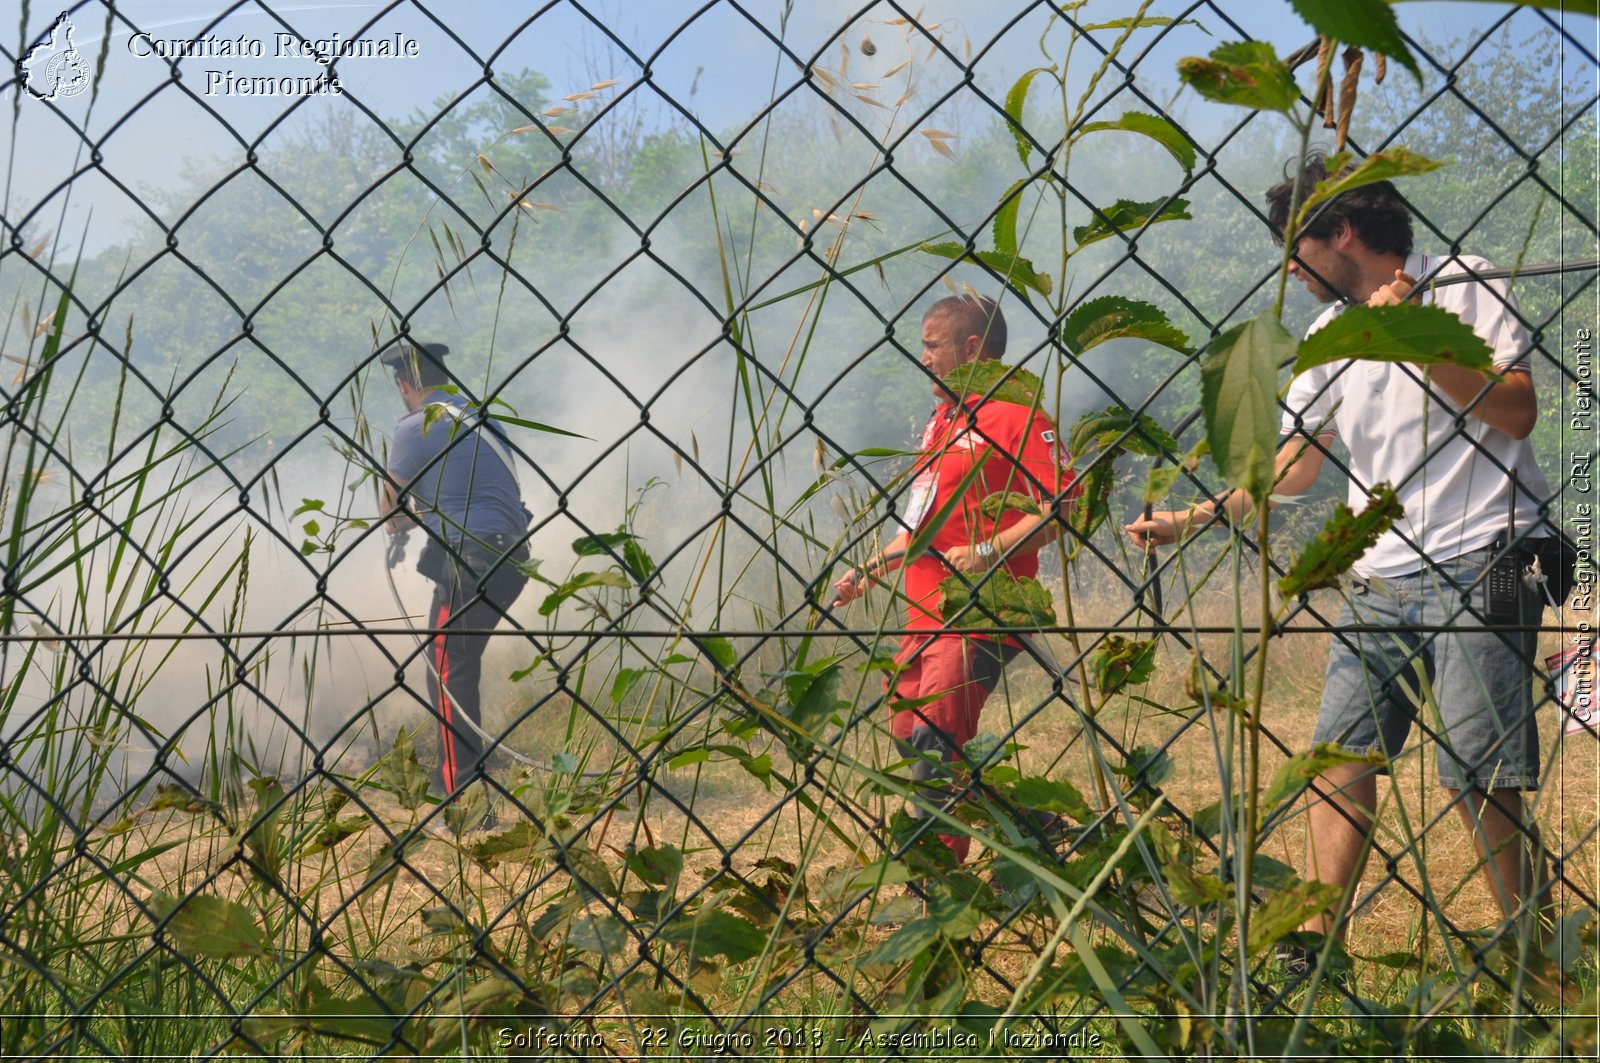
<point>451,472</point>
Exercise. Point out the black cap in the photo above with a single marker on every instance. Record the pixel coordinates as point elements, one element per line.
<point>406,354</point>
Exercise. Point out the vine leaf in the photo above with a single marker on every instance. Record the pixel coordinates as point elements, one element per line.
<point>1246,73</point>
<point>994,505</point>
<point>208,926</point>
<point>1239,398</point>
<point>1112,317</point>
<point>714,932</point>
<point>1367,24</point>
<point>1049,795</point>
<point>1117,428</point>
<point>1016,100</point>
<point>1003,600</point>
<point>995,381</point>
<point>1126,215</point>
<point>1298,771</point>
<point>1342,540</point>
<point>1005,217</point>
<point>1122,663</point>
<point>1287,909</point>
<point>1379,166</point>
<point>1421,335</point>
<point>1160,130</point>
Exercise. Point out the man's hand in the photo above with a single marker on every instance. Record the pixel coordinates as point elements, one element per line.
<point>848,589</point>
<point>1161,528</point>
<point>1397,291</point>
<point>966,559</point>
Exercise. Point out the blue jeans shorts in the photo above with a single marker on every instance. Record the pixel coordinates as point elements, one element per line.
<point>1481,679</point>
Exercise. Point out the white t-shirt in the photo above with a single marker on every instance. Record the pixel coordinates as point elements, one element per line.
<point>1452,479</point>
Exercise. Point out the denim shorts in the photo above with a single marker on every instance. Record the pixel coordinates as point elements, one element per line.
<point>1480,679</point>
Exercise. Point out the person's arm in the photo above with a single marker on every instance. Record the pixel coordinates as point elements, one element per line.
<point>1296,469</point>
<point>857,580</point>
<point>1033,533</point>
<point>1509,405</point>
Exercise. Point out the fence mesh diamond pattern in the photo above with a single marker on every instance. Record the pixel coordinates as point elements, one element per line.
<point>681,269</point>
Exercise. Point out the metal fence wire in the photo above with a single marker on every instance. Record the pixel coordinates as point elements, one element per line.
<point>693,315</point>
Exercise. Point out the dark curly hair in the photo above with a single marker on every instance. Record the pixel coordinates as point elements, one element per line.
<point>1375,212</point>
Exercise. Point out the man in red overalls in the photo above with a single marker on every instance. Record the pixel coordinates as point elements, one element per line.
<point>1020,453</point>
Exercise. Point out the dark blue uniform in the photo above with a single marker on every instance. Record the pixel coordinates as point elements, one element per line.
<point>467,499</point>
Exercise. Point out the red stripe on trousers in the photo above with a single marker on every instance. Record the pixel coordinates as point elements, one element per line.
<point>447,744</point>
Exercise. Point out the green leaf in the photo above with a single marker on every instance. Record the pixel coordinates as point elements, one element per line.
<point>609,544</point>
<point>720,649</point>
<point>602,934</point>
<point>657,865</point>
<point>883,872</point>
<point>535,426</point>
<point>1570,7</point>
<point>1049,795</point>
<point>361,1019</point>
<point>689,758</point>
<point>579,582</point>
<point>1379,166</point>
<point>519,844</point>
<point>812,699</point>
<point>1161,130</point>
<point>910,940</point>
<point>714,932</point>
<point>956,916</point>
<point>308,505</point>
<point>1005,217</point>
<point>1239,397</point>
<point>1159,483</point>
<point>995,381</point>
<point>1017,272</point>
<point>1126,217</point>
<point>589,872</point>
<point>1016,100</point>
<point>1122,662</point>
<point>1117,428</point>
<point>624,682</point>
<point>604,544</point>
<point>1565,945</point>
<point>1285,910</point>
<point>1421,335</point>
<point>1298,771</point>
<point>1004,601</point>
<point>1246,73</point>
<point>637,561</point>
<point>1342,540</point>
<point>403,773</point>
<point>311,527</point>
<point>1000,502</point>
<point>1365,24</point>
<point>208,926</point>
<point>1191,887</point>
<point>1147,765</point>
<point>1111,317</point>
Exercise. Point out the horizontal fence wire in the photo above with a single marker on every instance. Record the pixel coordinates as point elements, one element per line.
<point>607,761</point>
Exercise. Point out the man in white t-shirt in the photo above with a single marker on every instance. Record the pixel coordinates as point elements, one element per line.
<point>1453,443</point>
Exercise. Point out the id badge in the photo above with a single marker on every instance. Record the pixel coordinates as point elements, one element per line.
<point>919,500</point>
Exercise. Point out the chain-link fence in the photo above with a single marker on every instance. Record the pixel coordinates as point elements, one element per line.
<point>642,779</point>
